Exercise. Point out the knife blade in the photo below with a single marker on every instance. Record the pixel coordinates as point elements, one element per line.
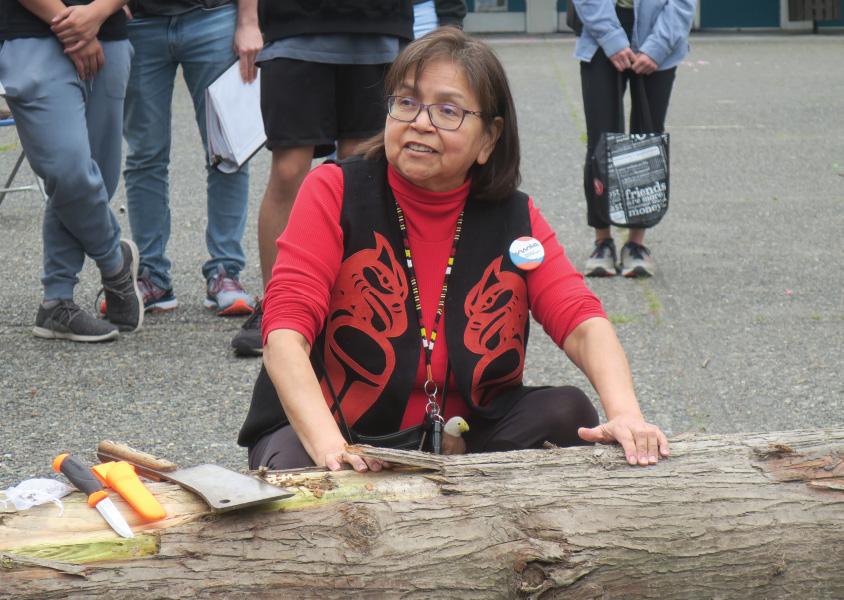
<point>83,478</point>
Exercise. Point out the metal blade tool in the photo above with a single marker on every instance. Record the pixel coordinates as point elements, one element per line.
<point>222,489</point>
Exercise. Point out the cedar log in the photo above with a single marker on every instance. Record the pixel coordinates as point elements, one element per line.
<point>735,516</point>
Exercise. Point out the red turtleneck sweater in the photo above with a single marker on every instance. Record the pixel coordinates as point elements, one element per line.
<point>311,249</point>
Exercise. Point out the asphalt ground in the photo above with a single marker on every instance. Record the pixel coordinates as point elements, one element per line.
<point>741,330</point>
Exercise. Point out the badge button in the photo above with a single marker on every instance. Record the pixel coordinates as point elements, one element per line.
<point>527,253</point>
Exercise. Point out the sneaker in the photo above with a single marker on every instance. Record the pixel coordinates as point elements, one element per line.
<point>226,295</point>
<point>248,341</point>
<point>636,261</point>
<point>123,299</point>
<point>601,263</point>
<point>66,321</point>
<point>156,299</point>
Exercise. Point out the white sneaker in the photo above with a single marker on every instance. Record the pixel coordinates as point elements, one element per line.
<point>601,263</point>
<point>636,261</point>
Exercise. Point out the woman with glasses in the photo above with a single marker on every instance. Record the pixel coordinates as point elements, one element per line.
<point>401,295</point>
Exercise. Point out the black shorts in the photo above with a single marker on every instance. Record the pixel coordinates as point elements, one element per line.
<point>313,104</point>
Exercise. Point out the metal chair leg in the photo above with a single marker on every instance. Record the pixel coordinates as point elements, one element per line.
<point>6,189</point>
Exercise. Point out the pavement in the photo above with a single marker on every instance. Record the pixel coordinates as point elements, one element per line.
<point>741,330</point>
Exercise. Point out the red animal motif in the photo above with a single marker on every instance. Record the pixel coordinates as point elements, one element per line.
<point>366,310</point>
<point>497,311</point>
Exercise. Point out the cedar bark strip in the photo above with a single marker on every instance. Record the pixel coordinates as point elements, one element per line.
<point>739,516</point>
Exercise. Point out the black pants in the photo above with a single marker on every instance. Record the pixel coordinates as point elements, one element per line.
<point>603,91</point>
<point>547,414</point>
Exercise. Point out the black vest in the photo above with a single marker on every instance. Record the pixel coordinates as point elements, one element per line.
<point>370,343</point>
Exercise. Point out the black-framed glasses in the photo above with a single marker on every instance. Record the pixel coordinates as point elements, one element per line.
<point>447,117</point>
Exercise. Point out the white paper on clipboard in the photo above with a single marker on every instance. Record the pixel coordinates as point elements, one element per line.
<point>235,128</point>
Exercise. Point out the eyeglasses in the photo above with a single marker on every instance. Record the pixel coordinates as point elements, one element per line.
<point>447,117</point>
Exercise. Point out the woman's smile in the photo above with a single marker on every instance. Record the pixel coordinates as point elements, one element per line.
<point>419,148</point>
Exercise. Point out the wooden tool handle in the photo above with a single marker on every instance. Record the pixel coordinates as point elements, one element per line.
<point>117,451</point>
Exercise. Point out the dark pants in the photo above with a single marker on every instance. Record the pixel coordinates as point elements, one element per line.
<point>603,91</point>
<point>548,414</point>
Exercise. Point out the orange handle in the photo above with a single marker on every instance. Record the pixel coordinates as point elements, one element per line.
<point>121,477</point>
<point>80,476</point>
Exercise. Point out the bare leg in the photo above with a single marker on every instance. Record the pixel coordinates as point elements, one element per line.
<point>637,236</point>
<point>602,234</point>
<point>346,148</point>
<point>287,170</point>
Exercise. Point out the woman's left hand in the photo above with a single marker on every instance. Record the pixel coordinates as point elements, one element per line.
<point>77,25</point>
<point>643,64</point>
<point>642,442</point>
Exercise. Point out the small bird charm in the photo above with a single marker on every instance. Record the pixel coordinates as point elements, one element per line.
<point>453,442</point>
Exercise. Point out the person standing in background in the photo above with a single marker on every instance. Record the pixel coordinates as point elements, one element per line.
<point>64,69</point>
<point>633,38</point>
<point>204,38</point>
<point>322,79</point>
<point>430,14</point>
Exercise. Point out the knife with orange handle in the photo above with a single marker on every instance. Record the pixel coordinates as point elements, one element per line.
<point>121,477</point>
<point>83,478</point>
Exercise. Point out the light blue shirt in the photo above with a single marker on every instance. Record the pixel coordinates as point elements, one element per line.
<point>661,29</point>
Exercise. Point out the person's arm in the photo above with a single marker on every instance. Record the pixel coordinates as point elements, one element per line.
<point>559,298</point>
<point>601,23</point>
<point>43,9</point>
<point>78,25</point>
<point>248,40</point>
<point>286,356</point>
<point>89,58</point>
<point>310,252</point>
<point>672,28</point>
<point>595,349</point>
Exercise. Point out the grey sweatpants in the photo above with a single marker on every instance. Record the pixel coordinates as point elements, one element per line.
<point>70,130</point>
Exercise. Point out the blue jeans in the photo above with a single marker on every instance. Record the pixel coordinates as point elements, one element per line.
<point>70,131</point>
<point>424,18</point>
<point>201,41</point>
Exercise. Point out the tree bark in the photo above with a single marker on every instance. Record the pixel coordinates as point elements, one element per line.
<point>739,516</point>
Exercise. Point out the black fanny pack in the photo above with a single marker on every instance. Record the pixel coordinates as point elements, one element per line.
<point>412,438</point>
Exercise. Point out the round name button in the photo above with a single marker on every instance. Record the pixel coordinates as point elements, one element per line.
<point>527,253</point>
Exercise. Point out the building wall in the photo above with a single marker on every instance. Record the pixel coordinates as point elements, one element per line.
<point>546,16</point>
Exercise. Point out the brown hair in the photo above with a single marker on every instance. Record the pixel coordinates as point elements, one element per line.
<point>498,178</point>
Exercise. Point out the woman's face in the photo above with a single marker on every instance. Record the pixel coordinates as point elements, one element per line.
<point>432,158</point>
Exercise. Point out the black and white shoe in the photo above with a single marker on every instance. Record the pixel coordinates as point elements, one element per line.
<point>123,298</point>
<point>602,261</point>
<point>66,321</point>
<point>636,261</point>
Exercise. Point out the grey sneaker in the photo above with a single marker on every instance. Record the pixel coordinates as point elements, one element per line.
<point>601,263</point>
<point>66,321</point>
<point>636,261</point>
<point>248,341</point>
<point>226,296</point>
<point>123,299</point>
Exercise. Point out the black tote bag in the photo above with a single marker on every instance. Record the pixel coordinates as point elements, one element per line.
<point>631,176</point>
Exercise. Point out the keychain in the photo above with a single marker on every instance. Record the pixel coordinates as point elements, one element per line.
<point>437,437</point>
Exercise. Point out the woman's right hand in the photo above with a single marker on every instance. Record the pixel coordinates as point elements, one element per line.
<point>335,459</point>
<point>623,59</point>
